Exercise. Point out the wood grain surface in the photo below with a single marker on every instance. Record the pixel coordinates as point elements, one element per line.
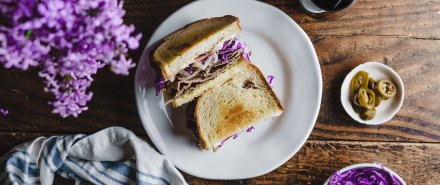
<point>393,18</point>
<point>418,64</point>
<point>403,34</point>
<point>417,163</point>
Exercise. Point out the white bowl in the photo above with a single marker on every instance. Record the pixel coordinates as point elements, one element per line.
<point>387,108</point>
<point>364,165</point>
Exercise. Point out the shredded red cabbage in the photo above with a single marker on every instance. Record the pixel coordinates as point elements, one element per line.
<point>223,142</point>
<point>235,136</point>
<point>229,46</point>
<point>189,69</point>
<point>270,79</point>
<point>159,84</point>
<point>250,129</point>
<point>364,176</point>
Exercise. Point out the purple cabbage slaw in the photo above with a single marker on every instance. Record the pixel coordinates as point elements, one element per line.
<point>364,176</point>
<point>159,84</point>
<point>229,46</point>
<point>235,136</point>
<point>270,79</point>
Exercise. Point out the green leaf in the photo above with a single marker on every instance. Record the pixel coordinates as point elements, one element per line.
<point>67,78</point>
<point>28,34</point>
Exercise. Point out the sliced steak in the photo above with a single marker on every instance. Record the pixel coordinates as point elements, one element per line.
<point>183,84</point>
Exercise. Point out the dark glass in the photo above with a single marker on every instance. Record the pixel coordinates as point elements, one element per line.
<point>327,9</point>
<point>332,5</point>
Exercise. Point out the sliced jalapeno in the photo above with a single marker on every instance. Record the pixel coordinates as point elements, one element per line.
<point>377,101</point>
<point>359,80</point>
<point>366,98</point>
<point>371,83</point>
<point>385,89</point>
<point>356,106</point>
<point>368,114</point>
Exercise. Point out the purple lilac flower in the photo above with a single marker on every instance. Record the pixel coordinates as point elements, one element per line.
<point>68,41</point>
<point>4,112</point>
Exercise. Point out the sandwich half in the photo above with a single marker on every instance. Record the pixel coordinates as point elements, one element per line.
<point>192,59</point>
<point>235,106</point>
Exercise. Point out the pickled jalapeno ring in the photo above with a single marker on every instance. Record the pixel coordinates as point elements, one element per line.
<point>385,89</point>
<point>360,79</point>
<point>366,98</point>
<point>368,114</point>
<point>356,106</point>
<point>368,94</point>
<point>377,101</point>
<point>371,83</point>
<point>358,109</point>
<point>356,100</point>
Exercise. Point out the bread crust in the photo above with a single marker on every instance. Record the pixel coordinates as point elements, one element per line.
<point>156,58</point>
<point>202,142</point>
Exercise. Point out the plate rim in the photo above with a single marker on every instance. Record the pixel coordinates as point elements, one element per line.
<point>317,67</point>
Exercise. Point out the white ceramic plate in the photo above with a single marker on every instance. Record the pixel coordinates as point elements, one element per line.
<point>280,48</point>
<point>387,108</point>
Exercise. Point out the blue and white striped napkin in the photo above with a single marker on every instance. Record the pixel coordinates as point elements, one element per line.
<point>112,156</point>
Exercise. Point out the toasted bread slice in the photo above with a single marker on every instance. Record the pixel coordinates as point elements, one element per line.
<point>180,48</point>
<point>234,106</point>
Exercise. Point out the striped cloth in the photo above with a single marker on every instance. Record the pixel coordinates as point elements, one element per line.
<point>111,156</point>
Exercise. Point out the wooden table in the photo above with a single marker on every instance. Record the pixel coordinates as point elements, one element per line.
<point>403,34</point>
